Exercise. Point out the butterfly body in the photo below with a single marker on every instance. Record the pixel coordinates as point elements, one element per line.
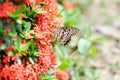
<point>64,34</point>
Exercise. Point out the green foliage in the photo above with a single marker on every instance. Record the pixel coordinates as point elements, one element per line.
<point>27,27</point>
<point>1,1</point>
<point>1,29</point>
<point>17,13</point>
<point>70,57</point>
<point>19,30</point>
<point>48,76</point>
<point>83,45</point>
<point>72,18</point>
<point>76,72</point>
<point>64,64</point>
<point>92,73</point>
<point>10,53</point>
<point>65,59</point>
<point>62,56</point>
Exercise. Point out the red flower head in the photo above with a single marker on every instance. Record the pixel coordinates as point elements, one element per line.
<point>24,70</point>
<point>6,7</point>
<point>61,75</point>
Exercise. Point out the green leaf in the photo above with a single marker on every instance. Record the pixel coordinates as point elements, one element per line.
<point>47,78</point>
<point>19,21</point>
<point>93,50</point>
<point>96,73</point>
<point>83,45</point>
<point>10,53</point>
<point>72,18</point>
<point>24,47</point>
<point>36,53</point>
<point>88,72</point>
<point>77,76</point>
<point>1,31</point>
<point>27,27</point>
<point>41,3</point>
<point>58,51</point>
<point>17,42</point>
<point>22,9</point>
<point>11,15</point>
<point>1,27</point>
<point>88,32</point>
<point>32,46</point>
<point>98,40</point>
<point>3,46</point>
<point>18,60</point>
<point>7,40</point>
<point>64,64</point>
<point>19,28</point>
<point>13,32</point>
<point>17,12</point>
<point>31,60</point>
<point>33,13</point>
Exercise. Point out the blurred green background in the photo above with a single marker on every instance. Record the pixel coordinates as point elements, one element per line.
<point>94,53</point>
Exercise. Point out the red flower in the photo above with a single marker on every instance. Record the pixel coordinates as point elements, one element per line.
<point>61,75</point>
<point>28,2</point>
<point>6,7</point>
<point>9,68</point>
<point>22,16</point>
<point>69,6</point>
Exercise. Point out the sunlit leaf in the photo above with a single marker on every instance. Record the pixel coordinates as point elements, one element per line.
<point>77,76</point>
<point>98,40</point>
<point>18,60</point>
<point>36,53</point>
<point>2,46</point>
<point>58,51</point>
<point>11,15</point>
<point>88,72</point>
<point>27,27</point>
<point>31,60</point>
<point>83,45</point>
<point>24,47</point>
<point>93,50</point>
<point>64,64</point>
<point>97,73</point>
<point>10,53</point>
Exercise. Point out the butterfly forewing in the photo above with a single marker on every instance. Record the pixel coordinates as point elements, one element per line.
<point>64,34</point>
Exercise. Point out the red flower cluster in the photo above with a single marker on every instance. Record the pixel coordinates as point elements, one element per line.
<point>10,69</point>
<point>6,7</point>
<point>61,75</point>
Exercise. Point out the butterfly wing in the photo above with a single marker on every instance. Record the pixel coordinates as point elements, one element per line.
<point>64,34</point>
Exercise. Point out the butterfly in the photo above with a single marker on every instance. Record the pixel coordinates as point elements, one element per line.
<point>64,34</point>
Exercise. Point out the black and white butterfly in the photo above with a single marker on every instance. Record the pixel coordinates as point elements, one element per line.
<point>64,34</point>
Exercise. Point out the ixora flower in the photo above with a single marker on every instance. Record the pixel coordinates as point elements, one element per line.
<point>21,65</point>
<point>6,7</point>
<point>61,75</point>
